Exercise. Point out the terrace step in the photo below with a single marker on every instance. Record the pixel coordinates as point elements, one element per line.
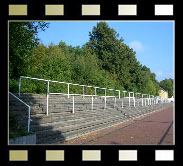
<point>61,124</point>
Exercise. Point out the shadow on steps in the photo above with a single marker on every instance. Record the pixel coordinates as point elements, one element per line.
<point>19,112</point>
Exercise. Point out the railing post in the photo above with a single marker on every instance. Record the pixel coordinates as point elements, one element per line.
<point>105,92</point>
<point>122,102</point>
<point>29,120</point>
<point>150,100</point>
<point>129,98</point>
<point>47,96</point>
<point>142,101</point>
<point>115,101</point>
<point>137,98</point>
<point>95,92</point>
<point>123,97</point>
<point>92,102</point>
<point>124,93</point>
<point>147,100</point>
<point>68,89</point>
<point>119,94</point>
<point>105,103</point>
<point>47,104</point>
<point>133,100</point>
<point>83,91</point>
<point>73,104</point>
<point>19,85</point>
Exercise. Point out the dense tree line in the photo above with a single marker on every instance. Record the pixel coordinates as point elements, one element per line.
<point>104,61</point>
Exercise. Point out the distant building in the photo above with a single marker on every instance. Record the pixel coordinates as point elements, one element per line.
<point>163,93</point>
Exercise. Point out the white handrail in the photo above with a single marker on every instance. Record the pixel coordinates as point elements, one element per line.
<point>133,97</point>
<point>108,96</point>
<point>65,94</point>
<point>68,90</point>
<point>73,105</point>
<point>40,79</point>
<point>29,119</point>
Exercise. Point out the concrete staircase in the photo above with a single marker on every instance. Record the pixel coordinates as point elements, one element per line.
<point>61,124</point>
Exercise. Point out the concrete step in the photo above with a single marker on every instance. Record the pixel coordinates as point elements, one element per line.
<point>42,118</point>
<point>61,124</point>
<point>75,126</point>
<point>71,119</point>
<point>59,136</point>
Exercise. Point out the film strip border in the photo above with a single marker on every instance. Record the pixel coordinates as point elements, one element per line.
<point>90,155</point>
<point>89,10</point>
<point>78,154</point>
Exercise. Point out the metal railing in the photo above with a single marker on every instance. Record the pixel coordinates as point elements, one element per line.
<point>131,95</point>
<point>105,100</point>
<point>73,95</point>
<point>138,96</point>
<point>29,119</point>
<point>144,99</point>
<point>68,88</point>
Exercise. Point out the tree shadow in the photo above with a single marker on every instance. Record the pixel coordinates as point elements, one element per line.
<point>61,123</point>
<point>41,124</point>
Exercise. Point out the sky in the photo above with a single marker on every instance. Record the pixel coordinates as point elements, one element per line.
<point>153,41</point>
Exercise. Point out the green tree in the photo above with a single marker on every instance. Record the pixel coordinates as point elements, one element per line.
<point>119,59</point>
<point>103,42</point>
<point>104,61</point>
<point>49,63</point>
<point>147,82</point>
<point>22,39</point>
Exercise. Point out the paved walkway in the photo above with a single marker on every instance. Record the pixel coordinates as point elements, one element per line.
<point>152,129</point>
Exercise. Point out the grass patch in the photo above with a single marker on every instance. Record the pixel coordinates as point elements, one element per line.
<point>14,129</point>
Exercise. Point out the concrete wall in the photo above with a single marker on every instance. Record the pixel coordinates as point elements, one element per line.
<point>29,139</point>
